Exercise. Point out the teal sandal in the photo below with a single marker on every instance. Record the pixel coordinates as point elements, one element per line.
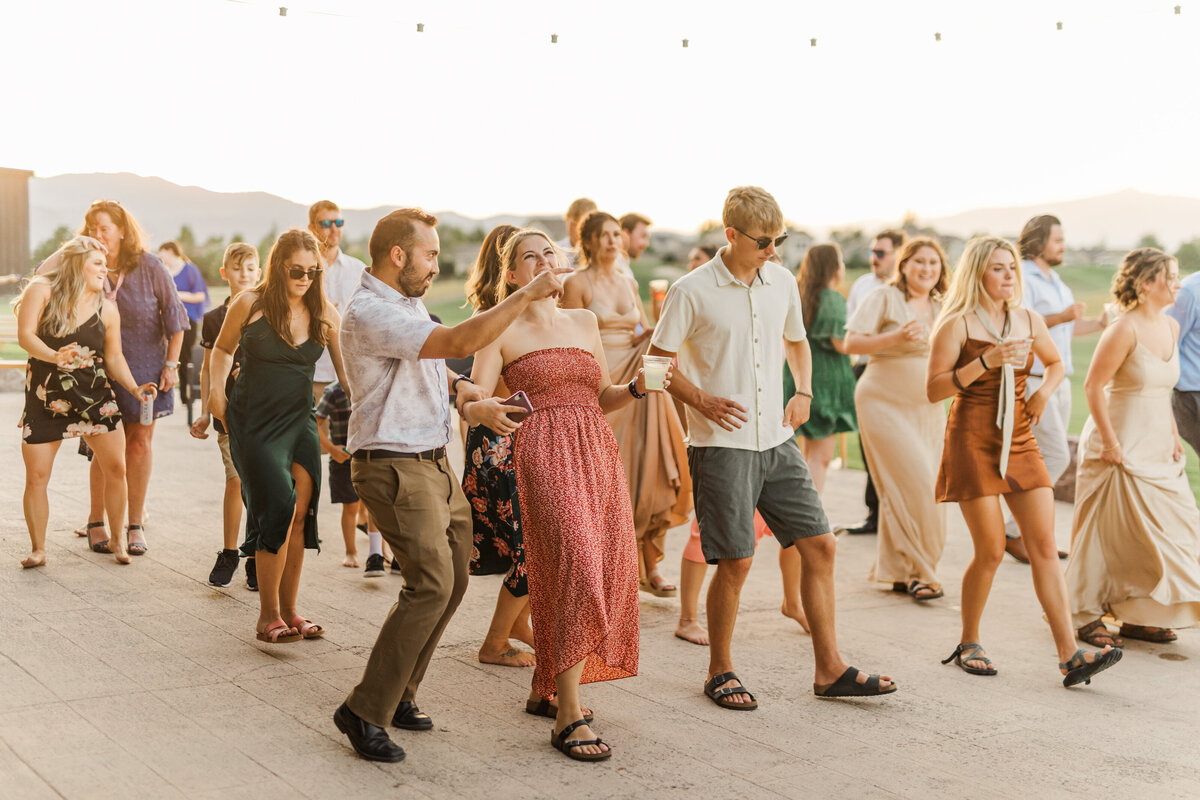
<point>970,651</point>
<point>1080,670</point>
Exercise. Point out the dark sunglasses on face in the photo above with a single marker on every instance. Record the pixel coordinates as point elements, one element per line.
<point>763,242</point>
<point>297,273</point>
<point>329,223</point>
<point>880,254</point>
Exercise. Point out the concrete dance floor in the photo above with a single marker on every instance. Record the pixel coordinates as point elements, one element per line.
<point>145,682</point>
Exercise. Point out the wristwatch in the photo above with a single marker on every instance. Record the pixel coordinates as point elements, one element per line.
<point>172,365</point>
<point>454,383</point>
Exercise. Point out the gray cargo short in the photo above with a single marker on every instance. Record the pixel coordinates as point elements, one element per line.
<point>728,484</point>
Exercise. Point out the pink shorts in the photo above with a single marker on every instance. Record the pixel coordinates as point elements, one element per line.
<point>691,550</point>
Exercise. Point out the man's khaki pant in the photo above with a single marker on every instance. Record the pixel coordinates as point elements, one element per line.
<point>425,518</point>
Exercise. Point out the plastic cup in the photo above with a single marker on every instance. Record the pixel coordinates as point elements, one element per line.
<point>1026,346</point>
<point>655,371</point>
<point>658,288</point>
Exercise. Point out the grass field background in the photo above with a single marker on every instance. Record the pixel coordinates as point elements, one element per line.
<point>445,300</point>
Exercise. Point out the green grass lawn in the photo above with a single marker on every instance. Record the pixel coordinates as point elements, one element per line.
<point>445,299</point>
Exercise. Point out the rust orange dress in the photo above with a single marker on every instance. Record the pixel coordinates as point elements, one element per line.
<point>970,465</point>
<point>580,546</point>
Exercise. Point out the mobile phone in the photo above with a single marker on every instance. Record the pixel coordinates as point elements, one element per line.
<point>519,399</point>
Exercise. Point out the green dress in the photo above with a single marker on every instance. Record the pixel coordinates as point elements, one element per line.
<point>832,377</point>
<point>272,426</point>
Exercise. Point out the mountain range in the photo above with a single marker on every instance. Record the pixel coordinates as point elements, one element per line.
<point>1115,220</point>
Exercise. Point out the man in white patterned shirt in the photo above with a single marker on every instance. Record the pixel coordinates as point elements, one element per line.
<point>732,322</point>
<point>394,357</point>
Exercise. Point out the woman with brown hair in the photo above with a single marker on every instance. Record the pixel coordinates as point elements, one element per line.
<point>73,337</point>
<point>152,324</point>
<point>982,347</point>
<point>1135,548</point>
<point>281,327</point>
<point>491,487</point>
<point>901,430</point>
<point>824,308</point>
<point>649,434</point>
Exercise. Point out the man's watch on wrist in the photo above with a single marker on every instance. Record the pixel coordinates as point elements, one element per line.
<point>454,383</point>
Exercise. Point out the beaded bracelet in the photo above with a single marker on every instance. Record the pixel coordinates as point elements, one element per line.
<point>632,387</point>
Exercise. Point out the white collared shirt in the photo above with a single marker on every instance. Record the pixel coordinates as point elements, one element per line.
<point>729,338</point>
<point>1049,296</point>
<point>341,282</point>
<point>400,400</point>
<point>860,289</point>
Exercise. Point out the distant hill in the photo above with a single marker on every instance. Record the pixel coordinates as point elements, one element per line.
<point>163,207</point>
<point>1115,220</point>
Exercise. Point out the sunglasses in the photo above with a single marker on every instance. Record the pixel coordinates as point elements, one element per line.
<point>299,273</point>
<point>329,223</point>
<point>880,254</point>
<point>763,242</point>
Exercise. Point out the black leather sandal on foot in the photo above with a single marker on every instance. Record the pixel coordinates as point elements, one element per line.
<point>1080,670</point>
<point>971,651</point>
<point>560,743</point>
<point>847,685</point>
<point>721,696</point>
<point>135,548</point>
<point>97,545</point>
<point>543,708</point>
<point>916,586</point>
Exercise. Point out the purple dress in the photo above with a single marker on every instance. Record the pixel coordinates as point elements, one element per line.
<point>151,312</point>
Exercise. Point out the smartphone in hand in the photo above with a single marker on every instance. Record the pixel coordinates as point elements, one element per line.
<point>519,399</point>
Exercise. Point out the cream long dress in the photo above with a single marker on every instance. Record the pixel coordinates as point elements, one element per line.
<point>649,434</point>
<point>902,434</point>
<point>1135,545</point>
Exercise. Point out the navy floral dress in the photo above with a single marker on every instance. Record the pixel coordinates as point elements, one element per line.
<point>491,486</point>
<point>75,401</point>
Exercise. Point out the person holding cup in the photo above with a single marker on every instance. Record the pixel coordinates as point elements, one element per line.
<point>73,337</point>
<point>901,430</point>
<point>989,448</point>
<point>580,552</point>
<point>649,434</point>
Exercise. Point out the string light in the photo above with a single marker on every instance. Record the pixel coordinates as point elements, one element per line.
<point>283,11</point>
<point>812,42</point>
<point>685,43</point>
<point>937,37</point>
<point>420,27</point>
<point>1059,25</point>
<point>1178,10</point>
<point>554,38</point>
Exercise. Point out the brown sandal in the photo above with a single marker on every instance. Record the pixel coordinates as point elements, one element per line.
<point>1096,634</point>
<point>1148,634</point>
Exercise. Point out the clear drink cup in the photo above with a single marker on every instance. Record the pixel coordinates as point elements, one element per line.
<point>655,368</point>
<point>658,288</point>
<point>1026,346</point>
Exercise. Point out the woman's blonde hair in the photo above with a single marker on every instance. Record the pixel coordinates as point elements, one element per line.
<point>1138,268</point>
<point>483,286</point>
<point>66,284</point>
<point>508,255</point>
<point>966,284</point>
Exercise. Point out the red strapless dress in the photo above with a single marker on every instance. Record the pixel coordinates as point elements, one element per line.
<point>580,545</point>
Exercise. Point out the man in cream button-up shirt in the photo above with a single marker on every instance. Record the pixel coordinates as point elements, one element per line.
<point>731,323</point>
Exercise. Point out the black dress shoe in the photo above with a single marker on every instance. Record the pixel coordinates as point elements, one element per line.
<point>369,741</point>
<point>411,718</point>
<point>871,525</point>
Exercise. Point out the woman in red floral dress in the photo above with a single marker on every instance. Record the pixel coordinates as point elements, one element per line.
<point>580,546</point>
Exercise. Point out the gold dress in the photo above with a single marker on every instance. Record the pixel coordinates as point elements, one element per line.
<point>902,434</point>
<point>1135,544</point>
<point>649,434</point>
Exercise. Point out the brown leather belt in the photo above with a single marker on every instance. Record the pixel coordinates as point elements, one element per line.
<point>374,455</point>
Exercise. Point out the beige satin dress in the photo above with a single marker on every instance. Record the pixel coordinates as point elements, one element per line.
<point>1135,550</point>
<point>902,434</point>
<point>649,433</point>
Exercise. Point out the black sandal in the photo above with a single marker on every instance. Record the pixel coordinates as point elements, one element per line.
<point>917,586</point>
<point>560,743</point>
<point>721,696</point>
<point>847,686</point>
<point>971,651</point>
<point>99,546</point>
<point>543,708</point>
<point>135,548</point>
<point>1080,670</point>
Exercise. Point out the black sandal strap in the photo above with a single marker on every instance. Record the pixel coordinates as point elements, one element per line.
<point>565,732</point>
<point>717,680</point>
<point>91,525</point>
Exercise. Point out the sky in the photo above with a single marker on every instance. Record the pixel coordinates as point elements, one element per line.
<point>482,115</point>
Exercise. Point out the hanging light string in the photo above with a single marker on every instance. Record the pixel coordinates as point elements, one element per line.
<point>954,34</point>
